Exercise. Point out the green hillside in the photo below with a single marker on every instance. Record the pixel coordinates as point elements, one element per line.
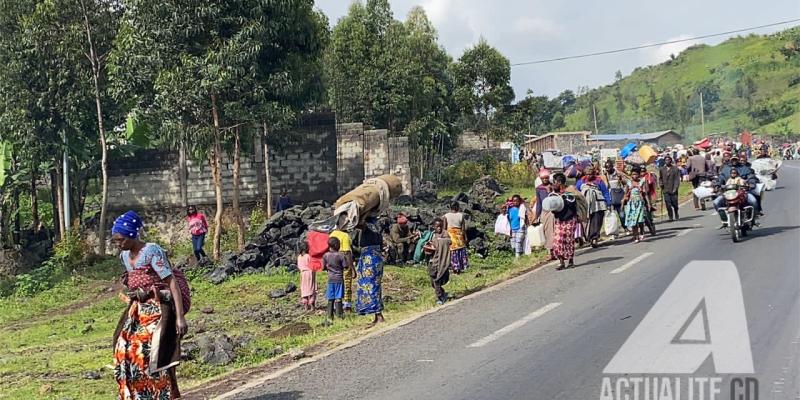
<point>750,82</point>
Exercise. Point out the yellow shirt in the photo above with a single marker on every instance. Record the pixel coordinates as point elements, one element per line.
<point>344,240</point>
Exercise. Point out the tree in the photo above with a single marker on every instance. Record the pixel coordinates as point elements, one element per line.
<point>618,95</point>
<point>100,18</point>
<point>683,110</point>
<point>745,89</point>
<point>558,121</point>
<point>364,66</point>
<point>711,96</point>
<point>482,86</point>
<point>216,69</point>
<point>52,104</point>
<point>667,111</point>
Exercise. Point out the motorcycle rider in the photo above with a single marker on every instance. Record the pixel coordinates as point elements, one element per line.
<point>746,173</point>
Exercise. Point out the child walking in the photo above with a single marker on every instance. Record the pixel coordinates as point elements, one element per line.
<point>308,279</point>
<point>334,262</point>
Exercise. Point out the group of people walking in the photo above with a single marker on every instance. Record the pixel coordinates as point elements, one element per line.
<point>612,198</point>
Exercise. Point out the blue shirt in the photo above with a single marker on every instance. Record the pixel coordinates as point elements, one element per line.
<point>513,217</point>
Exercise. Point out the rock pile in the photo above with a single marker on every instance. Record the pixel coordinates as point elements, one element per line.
<point>276,246</point>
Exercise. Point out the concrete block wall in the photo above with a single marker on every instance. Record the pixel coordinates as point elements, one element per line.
<point>349,156</point>
<point>376,153</point>
<point>316,161</point>
<point>149,177</point>
<point>474,141</point>
<point>399,161</point>
<point>200,182</point>
<point>305,164</point>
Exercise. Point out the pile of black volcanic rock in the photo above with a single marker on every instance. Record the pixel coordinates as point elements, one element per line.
<point>478,204</point>
<point>276,246</point>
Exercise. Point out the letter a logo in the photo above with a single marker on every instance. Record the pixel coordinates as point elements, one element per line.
<point>700,314</point>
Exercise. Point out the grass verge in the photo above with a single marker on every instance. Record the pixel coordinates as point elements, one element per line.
<point>49,342</point>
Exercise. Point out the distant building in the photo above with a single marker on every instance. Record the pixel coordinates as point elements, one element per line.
<point>565,142</point>
<point>661,139</point>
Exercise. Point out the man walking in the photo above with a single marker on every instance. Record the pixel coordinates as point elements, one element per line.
<point>697,173</point>
<point>670,178</point>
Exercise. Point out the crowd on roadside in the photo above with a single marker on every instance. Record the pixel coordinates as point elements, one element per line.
<point>570,208</point>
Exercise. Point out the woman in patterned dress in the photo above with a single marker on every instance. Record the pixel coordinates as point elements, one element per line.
<point>147,339</point>
<point>369,272</point>
<point>566,221</point>
<point>635,205</point>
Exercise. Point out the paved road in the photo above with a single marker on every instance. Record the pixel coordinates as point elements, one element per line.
<point>550,334</point>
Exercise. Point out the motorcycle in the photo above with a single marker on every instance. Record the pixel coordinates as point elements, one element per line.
<point>741,215</point>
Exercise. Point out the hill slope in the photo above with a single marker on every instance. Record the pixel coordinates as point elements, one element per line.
<point>750,82</point>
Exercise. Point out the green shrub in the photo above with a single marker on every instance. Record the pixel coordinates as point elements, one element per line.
<point>257,218</point>
<point>516,175</point>
<point>69,254</point>
<point>462,174</point>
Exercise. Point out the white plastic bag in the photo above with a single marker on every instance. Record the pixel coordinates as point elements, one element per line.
<point>526,246</point>
<point>502,226</point>
<point>702,192</point>
<point>536,236</point>
<point>611,223</point>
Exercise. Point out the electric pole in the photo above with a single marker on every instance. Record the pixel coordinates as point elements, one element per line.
<point>594,113</point>
<point>702,116</point>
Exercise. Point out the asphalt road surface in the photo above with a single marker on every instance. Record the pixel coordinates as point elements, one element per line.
<point>550,334</point>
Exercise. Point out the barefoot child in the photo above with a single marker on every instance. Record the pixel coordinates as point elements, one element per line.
<point>334,262</point>
<point>308,279</point>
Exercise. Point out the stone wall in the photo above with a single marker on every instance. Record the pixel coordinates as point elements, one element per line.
<point>149,177</point>
<point>474,141</point>
<point>349,156</point>
<point>305,164</point>
<point>399,161</point>
<point>318,160</point>
<point>376,153</point>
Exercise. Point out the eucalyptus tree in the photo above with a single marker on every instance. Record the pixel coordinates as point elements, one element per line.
<point>215,68</point>
<point>483,86</point>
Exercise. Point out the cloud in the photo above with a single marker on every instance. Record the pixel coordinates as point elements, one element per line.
<point>539,27</point>
<point>655,55</point>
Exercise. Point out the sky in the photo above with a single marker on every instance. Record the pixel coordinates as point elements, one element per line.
<point>529,30</point>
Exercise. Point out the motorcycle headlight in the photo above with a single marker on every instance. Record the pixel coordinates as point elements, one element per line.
<point>730,195</point>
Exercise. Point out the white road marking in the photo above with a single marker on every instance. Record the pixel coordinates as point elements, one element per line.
<point>424,360</point>
<point>515,325</point>
<point>631,263</point>
<point>684,232</point>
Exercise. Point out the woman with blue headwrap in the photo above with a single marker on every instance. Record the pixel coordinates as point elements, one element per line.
<point>147,339</point>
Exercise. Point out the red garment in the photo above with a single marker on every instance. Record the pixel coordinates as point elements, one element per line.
<point>650,178</point>
<point>317,247</point>
<point>197,224</point>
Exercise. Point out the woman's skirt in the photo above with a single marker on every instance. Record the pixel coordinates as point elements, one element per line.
<point>634,213</point>
<point>459,261</point>
<point>370,272</point>
<point>141,374</point>
<point>564,239</point>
